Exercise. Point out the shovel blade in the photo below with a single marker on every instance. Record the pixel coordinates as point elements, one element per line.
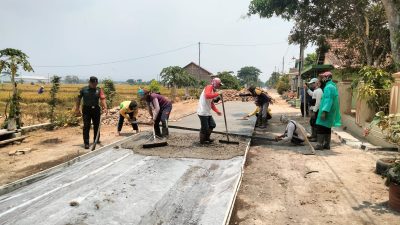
<point>155,145</point>
<point>229,142</point>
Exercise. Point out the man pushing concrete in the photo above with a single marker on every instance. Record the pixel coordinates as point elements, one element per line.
<point>204,110</point>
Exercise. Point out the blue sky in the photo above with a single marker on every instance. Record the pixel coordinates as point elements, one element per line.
<point>76,32</point>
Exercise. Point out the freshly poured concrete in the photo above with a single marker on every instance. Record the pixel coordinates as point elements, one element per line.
<point>120,187</point>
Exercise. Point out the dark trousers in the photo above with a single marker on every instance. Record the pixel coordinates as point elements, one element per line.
<point>121,122</point>
<point>302,109</point>
<point>323,129</point>
<point>90,114</point>
<point>162,117</point>
<point>207,123</point>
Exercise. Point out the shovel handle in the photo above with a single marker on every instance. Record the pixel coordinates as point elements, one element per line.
<point>226,125</point>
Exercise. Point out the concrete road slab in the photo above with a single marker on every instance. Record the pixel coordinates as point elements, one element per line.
<point>120,187</point>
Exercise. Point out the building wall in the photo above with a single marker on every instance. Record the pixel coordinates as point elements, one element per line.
<point>198,73</point>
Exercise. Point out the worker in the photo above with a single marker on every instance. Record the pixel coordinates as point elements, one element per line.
<point>159,109</point>
<point>263,100</point>
<point>128,110</point>
<point>314,105</point>
<point>292,134</point>
<point>204,110</point>
<point>329,111</point>
<point>41,90</point>
<point>256,113</point>
<point>91,112</point>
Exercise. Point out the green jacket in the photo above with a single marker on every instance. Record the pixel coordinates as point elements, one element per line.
<point>330,104</point>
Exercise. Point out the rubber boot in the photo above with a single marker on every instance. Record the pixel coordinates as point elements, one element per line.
<point>320,140</point>
<point>313,137</point>
<point>202,138</point>
<point>208,139</point>
<point>164,132</point>
<point>327,141</point>
<point>258,121</point>
<point>263,123</point>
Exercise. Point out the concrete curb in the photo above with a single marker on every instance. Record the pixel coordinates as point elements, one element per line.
<point>7,188</point>
<point>35,127</point>
<point>237,186</point>
<point>354,142</point>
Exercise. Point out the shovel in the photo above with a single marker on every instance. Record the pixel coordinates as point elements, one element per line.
<point>226,127</point>
<point>155,143</point>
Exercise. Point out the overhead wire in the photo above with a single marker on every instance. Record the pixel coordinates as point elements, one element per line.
<point>122,60</point>
<point>158,54</point>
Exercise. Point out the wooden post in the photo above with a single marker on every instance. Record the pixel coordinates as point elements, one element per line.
<point>394,106</point>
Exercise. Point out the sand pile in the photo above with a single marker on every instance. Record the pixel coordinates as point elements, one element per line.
<point>188,146</point>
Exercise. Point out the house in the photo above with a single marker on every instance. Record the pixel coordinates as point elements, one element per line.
<point>293,74</point>
<point>198,72</point>
<point>339,56</point>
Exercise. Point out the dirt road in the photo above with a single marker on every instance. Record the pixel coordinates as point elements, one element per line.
<point>283,186</point>
<point>50,148</point>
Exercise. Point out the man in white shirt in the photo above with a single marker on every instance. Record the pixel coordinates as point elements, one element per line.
<point>316,100</point>
<point>292,134</point>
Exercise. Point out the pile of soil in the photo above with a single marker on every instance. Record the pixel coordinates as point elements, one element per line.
<point>113,116</point>
<point>233,95</point>
<point>188,146</point>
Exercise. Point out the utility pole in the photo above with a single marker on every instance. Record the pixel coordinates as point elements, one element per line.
<point>300,81</point>
<point>199,53</point>
<point>283,64</point>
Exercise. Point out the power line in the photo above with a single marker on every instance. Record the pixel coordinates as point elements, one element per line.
<point>123,60</point>
<point>243,45</point>
<point>158,54</point>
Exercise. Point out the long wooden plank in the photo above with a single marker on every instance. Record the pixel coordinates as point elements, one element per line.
<point>13,139</point>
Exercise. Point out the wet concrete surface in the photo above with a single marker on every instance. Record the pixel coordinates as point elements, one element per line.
<point>121,187</point>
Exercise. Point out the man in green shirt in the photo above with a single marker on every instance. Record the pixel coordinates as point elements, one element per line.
<point>91,112</point>
<point>329,111</point>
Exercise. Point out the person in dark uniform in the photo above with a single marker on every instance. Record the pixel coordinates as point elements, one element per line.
<point>91,112</point>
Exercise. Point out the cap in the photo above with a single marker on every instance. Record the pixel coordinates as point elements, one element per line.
<point>141,92</point>
<point>93,80</point>
<point>313,80</point>
<point>216,82</point>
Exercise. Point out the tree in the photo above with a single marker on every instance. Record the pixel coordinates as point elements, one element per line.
<point>154,86</point>
<point>109,91</point>
<point>392,9</point>
<point>229,80</point>
<point>274,78</point>
<point>70,79</point>
<point>175,76</point>
<point>283,84</point>
<point>130,81</point>
<point>55,81</point>
<point>360,24</point>
<point>11,60</point>
<point>249,75</point>
<point>311,59</point>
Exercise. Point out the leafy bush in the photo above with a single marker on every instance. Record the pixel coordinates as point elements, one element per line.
<point>229,80</point>
<point>154,86</point>
<point>53,98</point>
<point>375,87</point>
<point>283,84</point>
<point>109,91</point>
<point>66,119</point>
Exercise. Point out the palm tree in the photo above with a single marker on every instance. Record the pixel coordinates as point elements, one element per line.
<point>10,61</point>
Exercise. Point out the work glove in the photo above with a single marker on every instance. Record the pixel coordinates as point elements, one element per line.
<point>216,99</point>
<point>220,92</point>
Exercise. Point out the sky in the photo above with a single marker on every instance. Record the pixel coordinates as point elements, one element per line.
<point>133,39</point>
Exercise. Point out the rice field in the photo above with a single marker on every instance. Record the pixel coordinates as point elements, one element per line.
<point>34,106</point>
